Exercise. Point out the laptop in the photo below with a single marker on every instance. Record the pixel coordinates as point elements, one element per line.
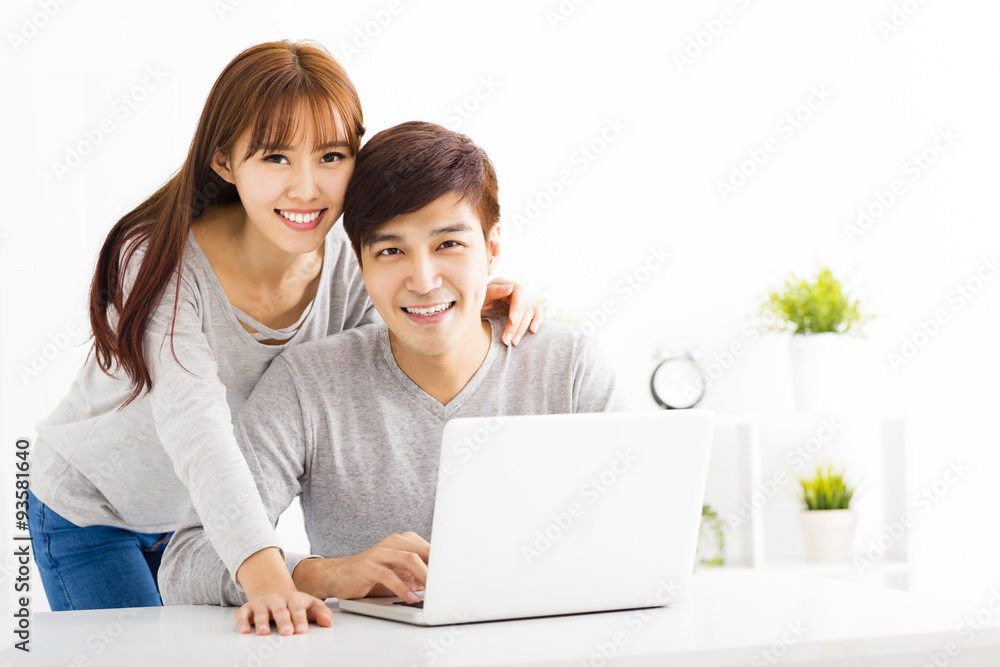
<point>546,515</point>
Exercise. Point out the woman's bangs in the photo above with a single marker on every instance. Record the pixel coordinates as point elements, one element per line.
<point>284,126</point>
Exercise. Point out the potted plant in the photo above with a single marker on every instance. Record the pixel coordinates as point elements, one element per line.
<point>818,313</point>
<point>827,521</point>
<point>711,538</point>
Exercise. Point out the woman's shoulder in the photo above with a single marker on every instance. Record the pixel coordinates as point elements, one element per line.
<point>192,267</point>
<point>340,268</point>
<point>337,243</point>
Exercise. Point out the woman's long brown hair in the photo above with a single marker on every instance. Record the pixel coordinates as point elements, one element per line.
<point>262,90</point>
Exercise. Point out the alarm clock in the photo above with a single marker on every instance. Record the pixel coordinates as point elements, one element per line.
<point>677,381</point>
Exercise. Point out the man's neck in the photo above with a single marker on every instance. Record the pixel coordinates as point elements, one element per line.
<point>444,376</point>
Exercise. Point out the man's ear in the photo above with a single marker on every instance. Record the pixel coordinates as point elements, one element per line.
<point>220,164</point>
<point>493,249</point>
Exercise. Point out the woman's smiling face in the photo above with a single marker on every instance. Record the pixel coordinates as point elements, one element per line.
<point>292,194</point>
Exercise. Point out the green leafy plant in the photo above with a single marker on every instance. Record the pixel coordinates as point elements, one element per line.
<point>826,491</point>
<point>555,314</point>
<point>711,530</point>
<point>813,306</point>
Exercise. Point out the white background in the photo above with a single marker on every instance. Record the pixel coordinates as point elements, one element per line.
<point>556,82</point>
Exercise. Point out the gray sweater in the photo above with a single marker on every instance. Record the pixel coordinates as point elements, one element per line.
<point>338,422</point>
<point>142,467</point>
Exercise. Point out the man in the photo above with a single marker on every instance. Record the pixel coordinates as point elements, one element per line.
<point>353,422</point>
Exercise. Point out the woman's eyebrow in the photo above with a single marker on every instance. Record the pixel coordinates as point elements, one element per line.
<point>321,147</point>
<point>333,144</point>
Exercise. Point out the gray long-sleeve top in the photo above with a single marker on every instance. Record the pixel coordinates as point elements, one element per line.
<point>338,422</point>
<point>141,468</point>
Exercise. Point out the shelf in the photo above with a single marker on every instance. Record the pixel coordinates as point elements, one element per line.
<point>759,449</point>
<point>885,566</point>
<point>739,419</point>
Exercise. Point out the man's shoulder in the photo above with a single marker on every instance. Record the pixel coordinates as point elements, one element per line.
<point>552,331</point>
<point>562,368</point>
<point>560,338</point>
<point>342,349</point>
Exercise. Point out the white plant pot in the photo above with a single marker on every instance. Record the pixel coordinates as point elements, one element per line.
<point>829,535</point>
<point>818,362</point>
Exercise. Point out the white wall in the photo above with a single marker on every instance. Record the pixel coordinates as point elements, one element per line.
<point>676,131</point>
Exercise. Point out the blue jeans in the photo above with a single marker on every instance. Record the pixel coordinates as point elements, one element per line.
<point>94,567</point>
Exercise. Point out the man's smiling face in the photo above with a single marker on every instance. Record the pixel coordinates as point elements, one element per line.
<point>426,274</point>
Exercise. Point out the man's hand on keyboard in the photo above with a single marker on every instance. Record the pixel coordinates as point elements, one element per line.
<point>395,566</point>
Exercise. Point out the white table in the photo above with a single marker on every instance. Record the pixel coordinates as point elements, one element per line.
<point>730,618</point>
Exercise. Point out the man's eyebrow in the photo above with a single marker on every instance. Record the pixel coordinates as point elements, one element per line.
<point>385,238</point>
<point>457,226</point>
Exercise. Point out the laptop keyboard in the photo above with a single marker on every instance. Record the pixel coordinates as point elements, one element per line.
<point>419,605</point>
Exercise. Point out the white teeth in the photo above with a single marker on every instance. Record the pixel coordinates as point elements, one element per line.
<point>300,217</point>
<point>429,311</point>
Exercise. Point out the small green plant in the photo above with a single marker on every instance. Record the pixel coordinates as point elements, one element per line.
<point>711,530</point>
<point>556,314</point>
<point>826,491</point>
<point>812,306</point>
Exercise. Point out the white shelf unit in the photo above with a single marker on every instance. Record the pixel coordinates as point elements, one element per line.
<point>887,495</point>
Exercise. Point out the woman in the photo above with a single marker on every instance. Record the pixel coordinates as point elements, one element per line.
<point>195,292</point>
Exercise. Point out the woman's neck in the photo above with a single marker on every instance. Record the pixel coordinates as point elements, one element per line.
<point>245,254</point>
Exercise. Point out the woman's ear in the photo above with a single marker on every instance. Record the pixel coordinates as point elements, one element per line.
<point>493,249</point>
<point>220,164</point>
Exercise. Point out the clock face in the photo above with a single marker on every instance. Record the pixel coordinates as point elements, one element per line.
<point>678,383</point>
